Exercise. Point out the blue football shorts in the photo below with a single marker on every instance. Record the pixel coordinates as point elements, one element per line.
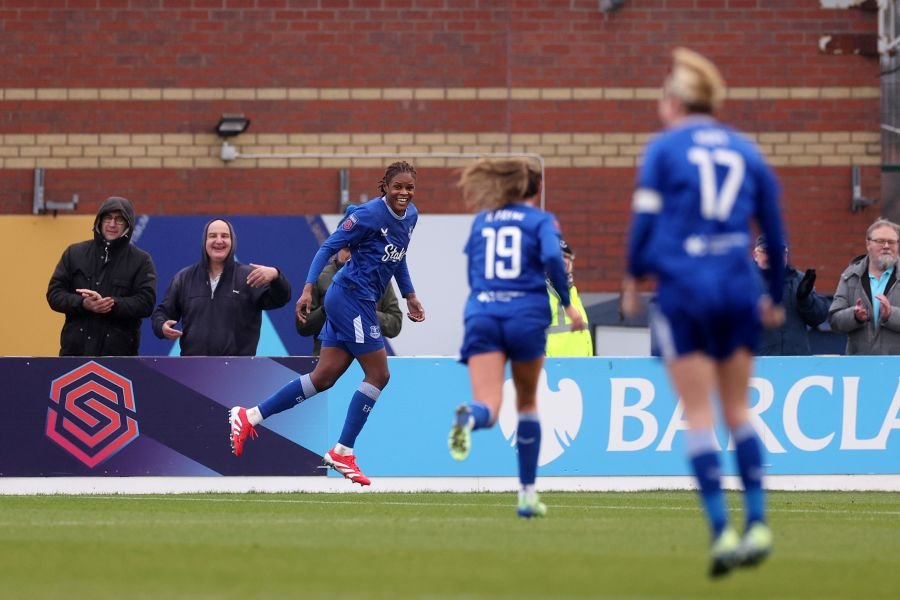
<point>520,338</point>
<point>350,323</point>
<point>715,331</point>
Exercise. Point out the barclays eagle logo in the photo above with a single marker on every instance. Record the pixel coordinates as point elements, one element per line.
<point>560,412</point>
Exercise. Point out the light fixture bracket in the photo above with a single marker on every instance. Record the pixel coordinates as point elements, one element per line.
<point>231,125</point>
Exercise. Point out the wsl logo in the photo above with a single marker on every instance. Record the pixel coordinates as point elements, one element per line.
<point>560,412</point>
<point>92,413</point>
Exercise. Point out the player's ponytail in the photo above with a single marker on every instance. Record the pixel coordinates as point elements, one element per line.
<point>491,183</point>
<point>695,81</point>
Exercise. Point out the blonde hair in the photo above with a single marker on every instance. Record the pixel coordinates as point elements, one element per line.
<point>490,183</point>
<point>695,81</point>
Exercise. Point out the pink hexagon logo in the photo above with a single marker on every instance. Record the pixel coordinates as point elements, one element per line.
<point>92,413</point>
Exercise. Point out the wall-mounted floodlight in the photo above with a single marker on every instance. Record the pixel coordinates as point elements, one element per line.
<point>610,6</point>
<point>232,125</point>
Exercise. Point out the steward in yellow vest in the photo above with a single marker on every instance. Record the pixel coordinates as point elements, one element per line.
<point>561,340</point>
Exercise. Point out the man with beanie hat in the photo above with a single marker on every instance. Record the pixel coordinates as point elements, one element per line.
<point>104,286</point>
<point>803,307</point>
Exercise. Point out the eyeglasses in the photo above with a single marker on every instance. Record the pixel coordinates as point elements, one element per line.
<point>882,242</point>
<point>114,219</point>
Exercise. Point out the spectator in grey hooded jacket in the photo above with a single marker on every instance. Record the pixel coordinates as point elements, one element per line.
<point>104,286</point>
<point>803,307</point>
<point>218,300</point>
<point>866,304</point>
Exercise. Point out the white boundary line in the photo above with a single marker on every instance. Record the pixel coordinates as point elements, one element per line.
<point>28,486</point>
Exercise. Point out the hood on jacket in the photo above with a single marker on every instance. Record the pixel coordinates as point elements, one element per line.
<point>204,258</point>
<point>859,258</point>
<point>111,204</point>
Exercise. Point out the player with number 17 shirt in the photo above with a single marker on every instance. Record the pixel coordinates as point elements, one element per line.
<point>699,187</point>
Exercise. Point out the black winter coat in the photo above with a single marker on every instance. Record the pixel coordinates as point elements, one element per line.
<point>792,338</point>
<point>224,323</point>
<point>117,269</point>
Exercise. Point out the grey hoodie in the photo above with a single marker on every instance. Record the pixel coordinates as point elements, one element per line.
<point>224,322</point>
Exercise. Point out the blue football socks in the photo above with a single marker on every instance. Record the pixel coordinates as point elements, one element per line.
<point>361,405</point>
<point>528,442</point>
<point>704,460</point>
<point>481,415</point>
<point>749,460</point>
<point>290,395</point>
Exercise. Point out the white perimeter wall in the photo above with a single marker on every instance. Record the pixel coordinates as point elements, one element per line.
<point>26,486</point>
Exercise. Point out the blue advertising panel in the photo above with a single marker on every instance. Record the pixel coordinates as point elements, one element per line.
<point>162,416</point>
<point>605,417</point>
<point>148,417</point>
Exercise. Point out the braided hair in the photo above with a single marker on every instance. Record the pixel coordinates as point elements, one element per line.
<point>392,171</point>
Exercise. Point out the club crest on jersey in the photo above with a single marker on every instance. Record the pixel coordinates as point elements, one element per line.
<point>350,222</point>
<point>374,332</point>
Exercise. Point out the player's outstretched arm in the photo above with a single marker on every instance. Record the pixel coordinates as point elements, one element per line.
<point>415,310</point>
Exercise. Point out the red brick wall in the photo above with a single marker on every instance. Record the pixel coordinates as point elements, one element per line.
<point>50,58</point>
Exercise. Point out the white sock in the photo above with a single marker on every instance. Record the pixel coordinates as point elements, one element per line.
<point>527,494</point>
<point>254,416</point>
<point>342,450</point>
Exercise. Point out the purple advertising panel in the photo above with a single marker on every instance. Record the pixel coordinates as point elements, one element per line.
<point>149,417</point>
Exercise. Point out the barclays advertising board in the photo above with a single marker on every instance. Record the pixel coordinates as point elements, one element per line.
<point>619,417</point>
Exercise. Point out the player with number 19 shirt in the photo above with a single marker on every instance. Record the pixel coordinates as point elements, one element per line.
<point>508,252</point>
<point>511,247</point>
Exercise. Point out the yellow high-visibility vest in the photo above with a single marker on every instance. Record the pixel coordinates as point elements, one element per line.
<point>561,340</point>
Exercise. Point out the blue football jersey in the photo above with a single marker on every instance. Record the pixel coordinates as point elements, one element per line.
<point>700,185</point>
<point>511,252</point>
<point>378,241</point>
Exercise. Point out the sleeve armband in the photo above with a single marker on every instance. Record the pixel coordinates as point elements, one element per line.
<point>646,201</point>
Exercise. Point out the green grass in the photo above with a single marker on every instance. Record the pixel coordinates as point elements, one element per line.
<point>434,546</point>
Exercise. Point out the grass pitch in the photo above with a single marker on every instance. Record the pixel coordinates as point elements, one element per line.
<point>435,546</point>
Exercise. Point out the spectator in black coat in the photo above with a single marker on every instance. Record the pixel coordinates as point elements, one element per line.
<point>803,307</point>
<point>218,300</point>
<point>104,286</point>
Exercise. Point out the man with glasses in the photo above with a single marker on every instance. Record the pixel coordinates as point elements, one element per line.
<point>866,305</point>
<point>104,286</point>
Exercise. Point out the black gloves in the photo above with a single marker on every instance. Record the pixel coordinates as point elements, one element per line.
<point>805,287</point>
